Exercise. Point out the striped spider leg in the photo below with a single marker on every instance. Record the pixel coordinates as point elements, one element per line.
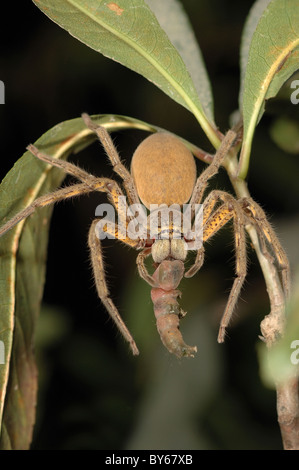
<point>268,240</point>
<point>213,221</point>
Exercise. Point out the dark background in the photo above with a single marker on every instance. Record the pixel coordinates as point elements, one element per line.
<point>93,394</point>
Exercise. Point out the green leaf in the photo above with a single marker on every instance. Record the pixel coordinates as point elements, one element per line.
<point>249,28</point>
<point>22,270</point>
<point>285,133</point>
<point>176,24</point>
<point>273,58</point>
<point>129,33</point>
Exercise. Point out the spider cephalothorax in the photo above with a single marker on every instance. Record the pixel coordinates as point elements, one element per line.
<point>163,175</point>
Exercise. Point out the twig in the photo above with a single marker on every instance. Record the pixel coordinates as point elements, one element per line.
<point>272,328</point>
<point>288,413</point>
<point>273,325</point>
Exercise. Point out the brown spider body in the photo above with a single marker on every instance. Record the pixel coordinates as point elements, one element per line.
<point>163,172</point>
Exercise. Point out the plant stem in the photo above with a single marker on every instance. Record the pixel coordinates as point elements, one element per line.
<point>273,325</point>
<point>288,413</point>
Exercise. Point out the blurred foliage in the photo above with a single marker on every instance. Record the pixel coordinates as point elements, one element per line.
<point>93,394</point>
<point>281,362</point>
<point>285,133</point>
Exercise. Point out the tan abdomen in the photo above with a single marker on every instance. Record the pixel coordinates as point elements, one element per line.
<point>164,170</point>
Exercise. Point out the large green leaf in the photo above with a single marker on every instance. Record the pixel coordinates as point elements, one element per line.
<point>176,24</point>
<point>128,32</point>
<point>251,23</point>
<point>22,270</point>
<point>273,57</point>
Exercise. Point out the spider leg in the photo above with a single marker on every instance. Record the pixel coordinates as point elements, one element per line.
<point>208,207</point>
<point>143,272</point>
<point>211,170</point>
<point>89,183</point>
<point>258,217</point>
<point>56,196</point>
<point>101,285</point>
<point>95,183</point>
<point>198,262</point>
<point>67,167</point>
<point>113,156</point>
<point>214,221</point>
<point>114,231</point>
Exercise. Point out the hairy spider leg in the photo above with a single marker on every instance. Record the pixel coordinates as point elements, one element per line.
<point>143,272</point>
<point>106,185</point>
<point>113,156</point>
<point>212,169</point>
<point>258,217</point>
<point>199,189</point>
<point>48,199</point>
<point>113,192</point>
<point>90,183</point>
<point>208,207</point>
<point>212,223</point>
<point>101,285</point>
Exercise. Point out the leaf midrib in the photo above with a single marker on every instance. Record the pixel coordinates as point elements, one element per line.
<point>264,87</point>
<point>198,113</point>
<point>137,48</point>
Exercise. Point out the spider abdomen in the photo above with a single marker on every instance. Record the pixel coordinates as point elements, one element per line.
<point>164,170</point>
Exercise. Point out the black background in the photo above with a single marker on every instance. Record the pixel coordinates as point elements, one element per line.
<point>93,394</point>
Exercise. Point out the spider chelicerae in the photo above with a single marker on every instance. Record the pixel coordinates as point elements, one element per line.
<point>163,172</point>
